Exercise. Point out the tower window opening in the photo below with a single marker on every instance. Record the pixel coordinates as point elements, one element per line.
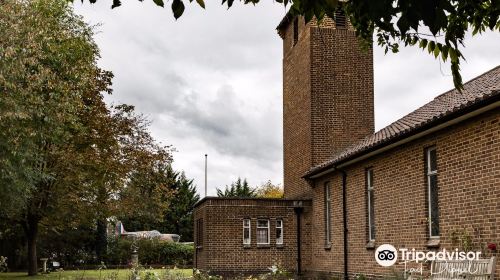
<point>295,30</point>
<point>340,19</point>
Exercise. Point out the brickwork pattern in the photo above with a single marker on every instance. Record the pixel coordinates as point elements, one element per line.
<point>342,91</point>
<point>296,110</point>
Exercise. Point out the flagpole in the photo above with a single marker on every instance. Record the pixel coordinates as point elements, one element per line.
<point>206,159</point>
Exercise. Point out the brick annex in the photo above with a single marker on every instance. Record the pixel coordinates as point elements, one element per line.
<point>417,183</point>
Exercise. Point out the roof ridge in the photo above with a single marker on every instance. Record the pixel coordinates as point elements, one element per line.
<point>481,88</point>
<point>468,82</point>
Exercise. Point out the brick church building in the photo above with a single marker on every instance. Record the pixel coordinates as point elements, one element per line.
<point>418,183</point>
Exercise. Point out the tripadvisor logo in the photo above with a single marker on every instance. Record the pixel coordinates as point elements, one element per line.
<point>387,255</point>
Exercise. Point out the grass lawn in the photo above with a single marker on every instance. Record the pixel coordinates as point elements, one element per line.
<point>89,274</point>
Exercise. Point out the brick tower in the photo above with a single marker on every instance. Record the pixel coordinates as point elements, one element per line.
<point>327,95</point>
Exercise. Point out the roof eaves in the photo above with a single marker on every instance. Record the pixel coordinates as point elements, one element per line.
<point>487,99</point>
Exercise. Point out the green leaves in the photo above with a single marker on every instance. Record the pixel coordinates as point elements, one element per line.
<point>177,8</point>
<point>158,2</point>
<point>201,3</point>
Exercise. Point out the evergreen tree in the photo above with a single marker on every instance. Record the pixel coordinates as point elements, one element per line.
<point>237,189</point>
<point>179,215</point>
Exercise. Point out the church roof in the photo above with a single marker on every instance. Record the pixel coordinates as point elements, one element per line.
<point>477,93</point>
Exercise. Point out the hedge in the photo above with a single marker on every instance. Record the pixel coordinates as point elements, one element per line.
<point>151,252</point>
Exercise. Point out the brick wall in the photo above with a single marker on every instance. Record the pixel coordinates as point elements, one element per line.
<point>342,91</point>
<point>468,158</point>
<point>327,97</point>
<point>296,110</point>
<point>223,250</point>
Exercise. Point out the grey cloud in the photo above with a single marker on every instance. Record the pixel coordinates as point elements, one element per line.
<point>224,124</point>
<point>211,81</point>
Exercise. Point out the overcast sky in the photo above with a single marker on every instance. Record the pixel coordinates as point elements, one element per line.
<point>211,82</point>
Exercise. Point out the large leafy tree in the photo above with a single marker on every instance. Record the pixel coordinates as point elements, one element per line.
<point>66,158</point>
<point>438,26</point>
<point>147,193</point>
<point>47,66</point>
<point>239,188</point>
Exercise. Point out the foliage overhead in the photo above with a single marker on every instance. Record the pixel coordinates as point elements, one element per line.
<point>437,26</point>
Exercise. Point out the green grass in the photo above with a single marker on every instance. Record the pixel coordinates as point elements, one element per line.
<point>123,274</point>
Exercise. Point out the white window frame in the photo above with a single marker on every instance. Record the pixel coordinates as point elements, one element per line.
<point>369,188</point>
<point>328,213</point>
<point>249,228</point>
<point>429,174</point>
<point>268,232</point>
<point>280,227</point>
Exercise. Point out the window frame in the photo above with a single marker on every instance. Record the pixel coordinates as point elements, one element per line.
<point>268,232</point>
<point>280,227</point>
<point>370,196</point>
<point>430,173</point>
<point>249,227</point>
<point>328,213</point>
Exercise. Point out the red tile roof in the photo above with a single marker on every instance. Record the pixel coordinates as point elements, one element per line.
<point>479,91</point>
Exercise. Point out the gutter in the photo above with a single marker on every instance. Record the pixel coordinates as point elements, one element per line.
<point>423,132</point>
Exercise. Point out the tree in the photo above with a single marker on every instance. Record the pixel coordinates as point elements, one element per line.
<point>147,193</point>
<point>269,190</point>
<point>438,26</point>
<point>237,189</point>
<point>179,215</point>
<point>49,63</point>
<point>65,156</point>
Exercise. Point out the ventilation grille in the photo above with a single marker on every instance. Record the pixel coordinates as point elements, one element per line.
<point>340,19</point>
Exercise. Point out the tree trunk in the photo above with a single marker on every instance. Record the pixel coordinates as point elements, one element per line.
<point>31,230</point>
<point>101,240</point>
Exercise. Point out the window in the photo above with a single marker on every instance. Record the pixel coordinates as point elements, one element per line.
<point>328,213</point>
<point>279,232</point>
<point>432,191</point>
<point>246,232</point>
<point>371,205</point>
<point>199,233</point>
<point>262,232</point>
<point>340,19</point>
<point>295,31</point>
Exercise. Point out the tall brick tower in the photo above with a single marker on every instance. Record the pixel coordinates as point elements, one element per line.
<point>327,95</point>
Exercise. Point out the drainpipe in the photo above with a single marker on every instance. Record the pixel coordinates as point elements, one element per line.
<point>344,214</point>
<point>297,207</point>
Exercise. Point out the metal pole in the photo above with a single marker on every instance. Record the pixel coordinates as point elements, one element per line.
<point>206,159</point>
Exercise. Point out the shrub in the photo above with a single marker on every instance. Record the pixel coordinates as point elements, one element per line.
<point>3,264</point>
<point>151,252</point>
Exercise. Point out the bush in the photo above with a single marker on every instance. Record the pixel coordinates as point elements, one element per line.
<point>151,252</point>
<point>3,264</point>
